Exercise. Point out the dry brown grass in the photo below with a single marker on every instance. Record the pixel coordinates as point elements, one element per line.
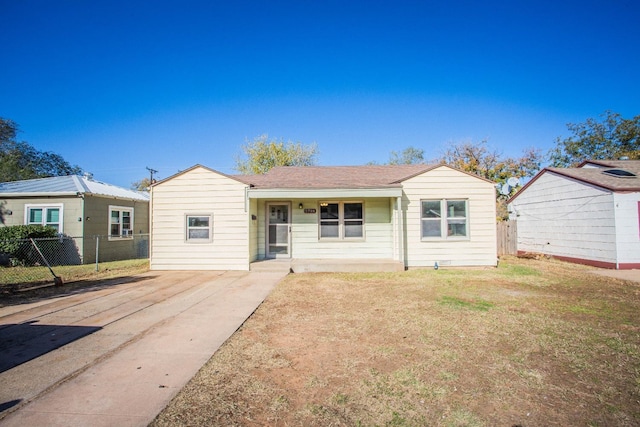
<point>533,342</point>
<point>76,278</point>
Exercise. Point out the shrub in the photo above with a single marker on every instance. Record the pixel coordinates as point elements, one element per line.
<point>12,238</point>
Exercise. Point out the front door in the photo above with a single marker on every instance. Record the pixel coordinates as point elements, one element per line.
<point>278,230</point>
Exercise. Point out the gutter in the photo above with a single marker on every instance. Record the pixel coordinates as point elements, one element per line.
<point>68,194</point>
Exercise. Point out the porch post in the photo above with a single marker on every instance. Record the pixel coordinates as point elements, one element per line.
<point>400,231</point>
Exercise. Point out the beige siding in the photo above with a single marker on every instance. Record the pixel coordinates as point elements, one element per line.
<point>446,183</point>
<point>564,217</point>
<point>200,191</point>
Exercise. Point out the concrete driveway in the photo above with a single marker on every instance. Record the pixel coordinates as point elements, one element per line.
<point>117,354</point>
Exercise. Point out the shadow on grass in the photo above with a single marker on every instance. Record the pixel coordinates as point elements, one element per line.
<point>10,297</point>
<point>22,342</point>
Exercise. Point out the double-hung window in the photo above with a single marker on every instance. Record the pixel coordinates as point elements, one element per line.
<point>198,228</point>
<point>49,215</point>
<point>444,219</point>
<point>120,222</point>
<point>341,220</point>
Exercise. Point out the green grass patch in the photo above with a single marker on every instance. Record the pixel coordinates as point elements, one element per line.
<point>518,270</point>
<point>33,276</point>
<point>478,304</point>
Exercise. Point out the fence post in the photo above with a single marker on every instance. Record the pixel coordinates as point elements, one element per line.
<point>97,250</point>
<point>57,280</point>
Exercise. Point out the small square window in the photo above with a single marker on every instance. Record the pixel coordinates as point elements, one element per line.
<point>198,228</point>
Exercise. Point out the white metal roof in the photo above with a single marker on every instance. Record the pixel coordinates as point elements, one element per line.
<point>67,185</point>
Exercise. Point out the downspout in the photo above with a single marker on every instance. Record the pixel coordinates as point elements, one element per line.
<point>84,228</point>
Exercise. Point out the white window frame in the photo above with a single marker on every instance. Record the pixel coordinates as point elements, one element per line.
<point>45,208</point>
<point>340,220</point>
<point>121,235</point>
<point>444,220</point>
<point>187,228</point>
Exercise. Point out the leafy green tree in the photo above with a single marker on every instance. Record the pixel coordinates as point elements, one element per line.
<point>488,163</point>
<point>408,156</point>
<point>20,160</point>
<point>608,139</point>
<point>8,130</point>
<point>262,154</point>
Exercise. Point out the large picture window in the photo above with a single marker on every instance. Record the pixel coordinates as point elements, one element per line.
<point>198,228</point>
<point>120,222</point>
<point>341,220</point>
<point>49,215</point>
<point>444,219</point>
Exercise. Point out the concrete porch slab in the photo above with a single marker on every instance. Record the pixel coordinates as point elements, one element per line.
<point>345,265</point>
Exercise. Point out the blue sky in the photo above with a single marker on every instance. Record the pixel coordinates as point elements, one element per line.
<point>116,86</point>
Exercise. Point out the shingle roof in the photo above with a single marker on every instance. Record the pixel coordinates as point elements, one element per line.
<point>368,176</point>
<point>68,185</point>
<point>599,177</point>
<point>620,164</point>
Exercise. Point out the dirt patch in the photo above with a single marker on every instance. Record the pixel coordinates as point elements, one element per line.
<point>533,342</point>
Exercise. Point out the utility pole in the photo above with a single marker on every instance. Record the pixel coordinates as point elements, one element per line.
<point>151,172</point>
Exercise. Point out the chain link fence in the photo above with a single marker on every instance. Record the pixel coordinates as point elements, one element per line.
<point>39,260</point>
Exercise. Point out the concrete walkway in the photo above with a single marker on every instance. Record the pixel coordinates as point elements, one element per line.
<point>118,354</point>
<point>631,275</point>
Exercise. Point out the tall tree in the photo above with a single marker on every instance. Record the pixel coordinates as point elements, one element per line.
<point>408,156</point>
<point>480,159</point>
<point>262,154</point>
<point>488,163</point>
<point>608,139</point>
<point>20,160</point>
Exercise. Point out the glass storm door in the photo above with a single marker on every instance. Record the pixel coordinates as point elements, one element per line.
<point>278,230</point>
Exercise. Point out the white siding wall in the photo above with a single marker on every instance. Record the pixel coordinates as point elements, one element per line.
<point>200,191</point>
<point>378,241</point>
<point>628,227</point>
<point>446,183</point>
<point>564,217</point>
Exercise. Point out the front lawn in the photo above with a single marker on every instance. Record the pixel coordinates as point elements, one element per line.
<point>531,343</point>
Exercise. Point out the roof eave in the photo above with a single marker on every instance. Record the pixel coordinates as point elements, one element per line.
<point>583,180</point>
<point>196,166</point>
<point>41,194</point>
<point>318,193</point>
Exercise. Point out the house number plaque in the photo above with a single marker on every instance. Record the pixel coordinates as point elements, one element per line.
<point>312,211</point>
